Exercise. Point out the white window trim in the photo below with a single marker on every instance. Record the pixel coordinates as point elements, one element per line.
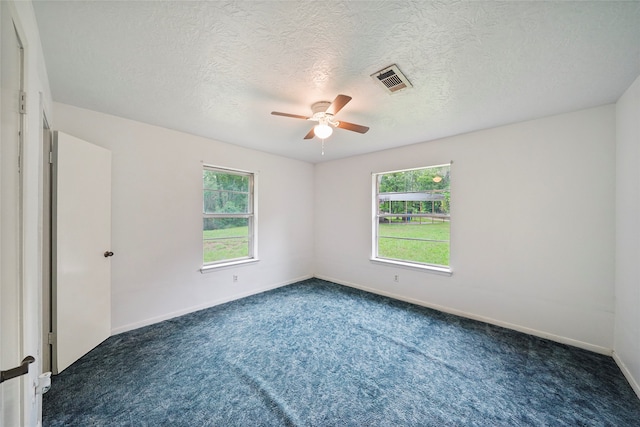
<point>253,239</point>
<point>438,269</point>
<point>445,271</point>
<point>208,268</point>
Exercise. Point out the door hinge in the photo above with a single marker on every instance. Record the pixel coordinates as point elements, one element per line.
<point>51,338</point>
<point>51,157</point>
<point>22,101</point>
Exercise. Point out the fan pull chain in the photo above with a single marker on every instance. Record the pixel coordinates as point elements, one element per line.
<point>323,147</point>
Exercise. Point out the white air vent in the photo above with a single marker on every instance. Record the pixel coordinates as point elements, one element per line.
<point>392,79</point>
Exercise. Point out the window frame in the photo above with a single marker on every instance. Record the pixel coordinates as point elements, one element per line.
<point>251,216</point>
<point>375,222</point>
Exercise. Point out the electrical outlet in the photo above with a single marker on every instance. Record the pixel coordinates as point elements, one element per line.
<point>235,278</point>
<point>396,278</point>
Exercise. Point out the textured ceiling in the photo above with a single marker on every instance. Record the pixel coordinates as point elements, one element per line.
<point>217,69</point>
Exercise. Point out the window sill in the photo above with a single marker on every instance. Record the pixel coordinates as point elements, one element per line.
<point>213,267</point>
<point>444,271</point>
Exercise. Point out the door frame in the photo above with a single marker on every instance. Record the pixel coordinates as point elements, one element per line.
<point>16,197</point>
<point>47,242</point>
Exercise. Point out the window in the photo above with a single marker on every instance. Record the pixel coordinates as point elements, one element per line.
<point>228,212</point>
<point>411,217</point>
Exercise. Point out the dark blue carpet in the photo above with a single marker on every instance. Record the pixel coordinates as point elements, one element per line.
<point>320,354</point>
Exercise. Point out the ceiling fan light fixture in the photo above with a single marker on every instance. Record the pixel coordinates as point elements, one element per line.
<point>324,113</point>
<point>322,130</point>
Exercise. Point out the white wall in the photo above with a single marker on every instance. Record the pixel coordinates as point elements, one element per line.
<point>532,240</point>
<point>627,289</point>
<point>36,86</point>
<point>157,218</point>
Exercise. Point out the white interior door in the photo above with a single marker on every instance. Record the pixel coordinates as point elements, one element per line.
<point>82,243</point>
<point>11,404</point>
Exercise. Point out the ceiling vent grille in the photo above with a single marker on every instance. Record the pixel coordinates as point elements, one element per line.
<point>392,79</point>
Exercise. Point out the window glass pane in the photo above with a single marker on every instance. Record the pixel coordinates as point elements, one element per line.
<point>417,228</point>
<point>226,196</point>
<point>413,220</point>
<point>209,179</point>
<point>419,251</point>
<point>225,238</point>
<point>219,180</point>
<point>217,201</point>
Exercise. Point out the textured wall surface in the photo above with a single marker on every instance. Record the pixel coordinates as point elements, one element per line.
<point>217,69</point>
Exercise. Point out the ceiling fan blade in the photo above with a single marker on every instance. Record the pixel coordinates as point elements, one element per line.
<point>295,116</point>
<point>353,127</point>
<point>310,135</point>
<point>337,104</point>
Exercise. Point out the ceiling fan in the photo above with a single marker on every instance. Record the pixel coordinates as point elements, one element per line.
<point>324,113</point>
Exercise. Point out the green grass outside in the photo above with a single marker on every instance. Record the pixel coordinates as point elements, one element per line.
<point>234,243</point>
<point>415,250</point>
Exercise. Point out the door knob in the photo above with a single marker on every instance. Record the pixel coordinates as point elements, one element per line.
<point>107,254</point>
<point>18,370</point>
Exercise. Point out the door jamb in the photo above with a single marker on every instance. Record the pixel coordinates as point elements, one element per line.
<point>47,227</point>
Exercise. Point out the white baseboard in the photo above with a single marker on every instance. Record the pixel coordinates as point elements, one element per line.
<point>627,374</point>
<point>523,329</point>
<point>208,304</point>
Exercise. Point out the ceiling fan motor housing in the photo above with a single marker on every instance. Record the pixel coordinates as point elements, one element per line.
<point>320,115</point>
<point>320,107</point>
